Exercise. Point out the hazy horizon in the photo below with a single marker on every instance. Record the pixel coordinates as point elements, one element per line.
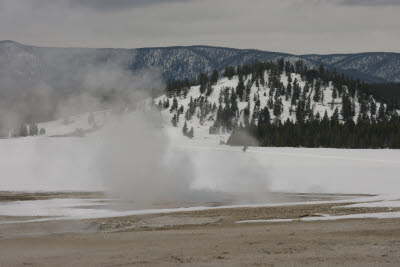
<point>290,26</point>
<point>196,45</point>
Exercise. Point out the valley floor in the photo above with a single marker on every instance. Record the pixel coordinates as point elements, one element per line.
<point>217,241</point>
<point>364,233</point>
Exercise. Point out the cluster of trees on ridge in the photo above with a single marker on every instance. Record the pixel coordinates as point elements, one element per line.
<point>30,129</point>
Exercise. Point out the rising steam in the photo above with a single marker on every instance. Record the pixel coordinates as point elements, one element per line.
<point>132,156</point>
<point>138,164</point>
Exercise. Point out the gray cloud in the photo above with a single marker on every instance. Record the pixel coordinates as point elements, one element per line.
<point>102,5</point>
<point>295,26</point>
<point>370,2</point>
<point>106,4</point>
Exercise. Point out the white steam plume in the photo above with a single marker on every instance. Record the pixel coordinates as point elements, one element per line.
<point>132,156</point>
<point>137,162</point>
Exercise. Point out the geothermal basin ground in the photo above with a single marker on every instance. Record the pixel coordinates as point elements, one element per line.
<point>87,229</point>
<point>323,207</point>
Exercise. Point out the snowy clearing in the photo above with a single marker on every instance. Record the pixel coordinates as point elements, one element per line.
<point>64,164</point>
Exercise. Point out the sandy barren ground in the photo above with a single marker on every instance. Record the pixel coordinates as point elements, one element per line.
<point>7,196</point>
<point>206,238</point>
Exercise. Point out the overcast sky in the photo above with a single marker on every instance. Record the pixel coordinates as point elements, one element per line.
<point>294,26</point>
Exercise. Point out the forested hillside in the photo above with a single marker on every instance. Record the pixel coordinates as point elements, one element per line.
<point>282,104</point>
<point>180,62</point>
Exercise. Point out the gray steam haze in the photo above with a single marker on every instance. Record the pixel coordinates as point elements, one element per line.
<point>63,87</point>
<point>136,161</point>
<point>140,163</point>
<point>133,157</point>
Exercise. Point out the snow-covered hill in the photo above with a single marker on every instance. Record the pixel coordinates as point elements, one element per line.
<point>76,125</point>
<point>205,108</point>
<point>204,118</point>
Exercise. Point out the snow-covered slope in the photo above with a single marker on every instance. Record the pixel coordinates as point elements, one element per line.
<point>84,122</point>
<point>263,93</point>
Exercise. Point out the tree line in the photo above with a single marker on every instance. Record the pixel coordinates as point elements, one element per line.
<point>30,129</point>
<point>328,132</point>
<point>377,124</point>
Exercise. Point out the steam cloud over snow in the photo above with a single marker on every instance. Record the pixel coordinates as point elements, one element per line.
<point>137,162</point>
<point>132,157</point>
<point>67,82</point>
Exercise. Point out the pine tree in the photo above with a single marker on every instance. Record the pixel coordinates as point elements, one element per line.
<point>42,131</point>
<point>334,93</point>
<point>185,129</point>
<point>317,116</point>
<point>278,106</point>
<point>202,80</point>
<point>317,91</point>
<point>23,130</point>
<point>270,103</point>
<point>174,105</point>
<point>180,110</point>
<point>33,129</point>
<point>214,77</point>
<point>335,117</point>
<point>240,89</point>
<point>174,121</point>
<point>347,112</point>
<point>229,72</point>
<point>381,112</point>
<point>166,103</point>
<point>209,89</point>
<point>246,115</point>
<point>191,133</point>
<point>325,119</point>
<point>373,107</point>
<point>264,117</point>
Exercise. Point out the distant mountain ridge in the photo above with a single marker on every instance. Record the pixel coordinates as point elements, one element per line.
<point>36,81</point>
<point>181,62</point>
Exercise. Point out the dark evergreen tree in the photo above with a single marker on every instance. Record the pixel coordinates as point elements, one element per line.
<point>174,105</point>
<point>214,77</point>
<point>209,89</point>
<point>381,112</point>
<point>185,129</point>
<point>174,121</point>
<point>202,80</point>
<point>240,89</point>
<point>191,133</point>
<point>33,129</point>
<point>335,117</point>
<point>347,110</point>
<point>229,72</point>
<point>23,130</point>
<point>278,108</point>
<point>166,103</point>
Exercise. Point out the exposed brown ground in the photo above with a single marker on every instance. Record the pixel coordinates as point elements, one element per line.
<point>6,196</point>
<point>206,238</point>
